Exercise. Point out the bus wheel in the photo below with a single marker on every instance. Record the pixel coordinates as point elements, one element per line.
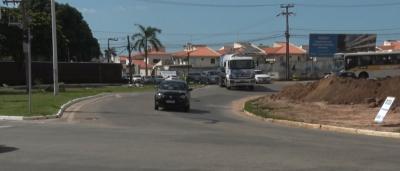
<point>363,75</point>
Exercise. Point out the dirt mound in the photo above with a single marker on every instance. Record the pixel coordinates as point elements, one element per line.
<point>335,90</point>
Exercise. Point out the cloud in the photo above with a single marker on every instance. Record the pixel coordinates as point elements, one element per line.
<point>87,10</point>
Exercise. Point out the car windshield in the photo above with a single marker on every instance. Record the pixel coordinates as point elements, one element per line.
<point>172,85</point>
<point>241,64</point>
<point>258,72</point>
<point>212,73</point>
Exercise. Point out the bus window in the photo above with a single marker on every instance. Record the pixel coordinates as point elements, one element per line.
<point>351,62</point>
<point>365,60</point>
<point>394,59</point>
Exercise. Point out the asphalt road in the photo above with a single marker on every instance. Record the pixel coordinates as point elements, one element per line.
<point>124,132</point>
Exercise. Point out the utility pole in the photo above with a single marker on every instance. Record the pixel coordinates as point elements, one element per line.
<point>108,48</point>
<point>26,45</point>
<point>188,48</point>
<point>130,60</point>
<point>54,44</point>
<point>286,13</point>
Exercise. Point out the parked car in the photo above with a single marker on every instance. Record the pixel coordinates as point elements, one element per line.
<point>137,79</point>
<point>148,79</point>
<point>172,77</point>
<point>194,77</point>
<point>262,78</point>
<point>173,93</point>
<point>347,75</point>
<point>158,79</point>
<point>209,77</point>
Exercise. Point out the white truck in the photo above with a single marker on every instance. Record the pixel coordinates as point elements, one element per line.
<point>237,71</point>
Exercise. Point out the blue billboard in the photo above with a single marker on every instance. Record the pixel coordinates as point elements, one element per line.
<point>323,45</point>
<point>326,45</point>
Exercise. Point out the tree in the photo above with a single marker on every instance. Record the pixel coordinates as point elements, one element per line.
<point>74,36</point>
<point>146,39</point>
<point>10,39</point>
<point>110,53</point>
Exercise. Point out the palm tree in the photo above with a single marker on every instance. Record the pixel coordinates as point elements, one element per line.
<point>146,39</point>
<point>109,53</point>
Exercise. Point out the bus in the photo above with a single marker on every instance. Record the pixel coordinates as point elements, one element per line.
<point>368,64</point>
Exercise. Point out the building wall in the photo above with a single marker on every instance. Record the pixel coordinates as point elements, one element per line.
<point>198,61</point>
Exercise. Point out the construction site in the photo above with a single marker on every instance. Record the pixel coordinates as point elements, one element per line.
<point>336,101</point>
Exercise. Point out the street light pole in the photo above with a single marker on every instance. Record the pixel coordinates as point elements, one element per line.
<point>54,40</point>
<point>108,48</point>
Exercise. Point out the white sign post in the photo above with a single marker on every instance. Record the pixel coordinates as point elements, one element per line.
<point>384,109</point>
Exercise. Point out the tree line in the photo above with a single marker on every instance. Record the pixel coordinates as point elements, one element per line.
<point>74,37</point>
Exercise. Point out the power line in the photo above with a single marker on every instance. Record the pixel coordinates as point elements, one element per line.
<point>349,5</point>
<point>382,29</point>
<point>186,3</point>
<point>191,4</point>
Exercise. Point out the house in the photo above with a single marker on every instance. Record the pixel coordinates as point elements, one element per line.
<point>245,49</point>
<point>278,52</point>
<point>154,58</point>
<point>390,45</point>
<point>276,60</point>
<point>200,57</point>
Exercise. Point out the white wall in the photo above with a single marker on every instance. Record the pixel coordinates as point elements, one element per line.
<point>198,61</point>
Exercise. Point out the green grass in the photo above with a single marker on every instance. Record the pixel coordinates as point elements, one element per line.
<point>15,102</point>
<point>263,110</point>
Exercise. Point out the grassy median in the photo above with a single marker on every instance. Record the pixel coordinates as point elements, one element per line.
<point>15,102</point>
<point>264,110</point>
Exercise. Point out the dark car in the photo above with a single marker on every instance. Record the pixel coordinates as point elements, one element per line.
<point>209,77</point>
<point>347,75</point>
<point>172,93</point>
<point>194,77</point>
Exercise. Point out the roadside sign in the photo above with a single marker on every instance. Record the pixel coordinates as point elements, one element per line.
<point>384,109</point>
<point>323,45</point>
<point>166,74</point>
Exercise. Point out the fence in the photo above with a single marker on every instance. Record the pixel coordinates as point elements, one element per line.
<point>12,73</point>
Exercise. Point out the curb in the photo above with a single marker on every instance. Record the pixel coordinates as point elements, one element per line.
<point>54,116</point>
<point>326,127</point>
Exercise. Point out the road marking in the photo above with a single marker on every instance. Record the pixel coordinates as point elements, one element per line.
<point>6,126</point>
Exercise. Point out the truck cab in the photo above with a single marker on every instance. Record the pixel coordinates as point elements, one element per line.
<point>237,71</point>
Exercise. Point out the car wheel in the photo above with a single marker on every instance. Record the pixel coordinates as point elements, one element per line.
<point>187,108</point>
<point>220,82</point>
<point>251,87</point>
<point>156,107</point>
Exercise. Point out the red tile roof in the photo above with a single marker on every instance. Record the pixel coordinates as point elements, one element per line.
<point>392,46</point>
<point>140,63</point>
<point>199,51</point>
<point>152,53</point>
<point>280,49</point>
<point>136,62</point>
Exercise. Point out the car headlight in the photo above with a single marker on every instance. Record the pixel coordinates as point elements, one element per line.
<point>160,95</point>
<point>182,96</point>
